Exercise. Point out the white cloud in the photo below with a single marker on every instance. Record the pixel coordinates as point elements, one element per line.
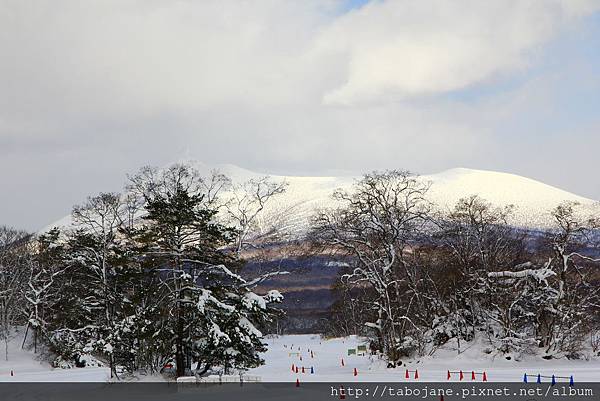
<point>283,86</point>
<point>410,48</point>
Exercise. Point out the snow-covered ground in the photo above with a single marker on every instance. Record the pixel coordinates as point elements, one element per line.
<point>326,362</point>
<point>328,354</point>
<point>29,367</point>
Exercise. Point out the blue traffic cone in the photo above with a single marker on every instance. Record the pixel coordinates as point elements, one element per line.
<point>539,379</point>
<point>312,370</point>
<point>571,381</point>
<point>553,380</point>
<point>525,378</point>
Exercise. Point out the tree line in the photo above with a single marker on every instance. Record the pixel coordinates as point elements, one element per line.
<point>145,278</point>
<point>416,277</point>
<point>155,275</point>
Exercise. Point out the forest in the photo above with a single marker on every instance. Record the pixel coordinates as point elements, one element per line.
<point>155,276</point>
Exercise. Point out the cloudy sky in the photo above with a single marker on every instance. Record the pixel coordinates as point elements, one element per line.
<point>92,90</point>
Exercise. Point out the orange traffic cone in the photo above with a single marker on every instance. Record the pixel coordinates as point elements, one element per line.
<point>355,372</point>
<point>416,373</point>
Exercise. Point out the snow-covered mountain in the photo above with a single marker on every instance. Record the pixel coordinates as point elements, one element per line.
<point>533,200</point>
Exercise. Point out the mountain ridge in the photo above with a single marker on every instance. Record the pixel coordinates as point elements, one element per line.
<point>533,200</point>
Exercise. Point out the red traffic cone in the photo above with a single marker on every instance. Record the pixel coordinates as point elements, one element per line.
<point>303,369</point>
<point>406,375</point>
<point>296,369</point>
<point>297,382</point>
<point>342,393</point>
<point>484,377</point>
<point>12,373</point>
<point>473,375</point>
<point>293,368</point>
<point>355,372</point>
<point>460,375</point>
<point>343,362</point>
<point>416,373</point>
<point>300,358</point>
<point>448,375</point>
<point>311,354</point>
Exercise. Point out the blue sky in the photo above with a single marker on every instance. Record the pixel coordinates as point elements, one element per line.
<point>93,92</point>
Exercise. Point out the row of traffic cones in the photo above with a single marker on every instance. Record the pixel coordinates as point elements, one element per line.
<point>296,369</point>
<point>461,375</point>
<point>407,374</point>
<point>553,377</point>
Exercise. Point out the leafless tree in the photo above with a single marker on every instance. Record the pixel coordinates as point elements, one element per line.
<point>375,226</point>
<point>479,240</point>
<point>44,267</point>
<point>568,313</point>
<point>101,216</point>
<point>151,181</point>
<point>245,210</point>
<point>12,279</point>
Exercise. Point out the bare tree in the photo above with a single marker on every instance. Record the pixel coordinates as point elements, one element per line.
<point>43,263</point>
<point>478,240</point>
<point>245,210</point>
<point>150,182</point>
<point>568,314</point>
<point>12,279</point>
<point>375,226</point>
<point>101,217</point>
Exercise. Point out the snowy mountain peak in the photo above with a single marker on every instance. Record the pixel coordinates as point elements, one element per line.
<point>532,199</point>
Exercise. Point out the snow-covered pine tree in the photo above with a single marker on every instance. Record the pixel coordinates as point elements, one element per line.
<point>212,312</point>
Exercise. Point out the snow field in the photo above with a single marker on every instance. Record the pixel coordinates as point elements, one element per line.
<point>326,362</point>
<point>328,355</point>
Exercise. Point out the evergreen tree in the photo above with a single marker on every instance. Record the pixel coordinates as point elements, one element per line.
<point>212,312</point>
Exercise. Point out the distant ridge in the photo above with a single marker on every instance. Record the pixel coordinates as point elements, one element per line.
<point>532,199</point>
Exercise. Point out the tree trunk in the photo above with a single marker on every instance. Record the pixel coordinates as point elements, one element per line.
<point>179,352</point>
